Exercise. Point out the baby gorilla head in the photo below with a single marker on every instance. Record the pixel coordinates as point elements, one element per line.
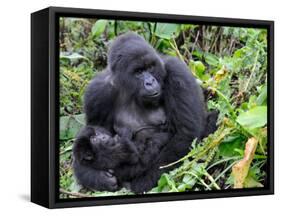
<point>102,138</point>
<point>95,147</point>
<point>137,69</point>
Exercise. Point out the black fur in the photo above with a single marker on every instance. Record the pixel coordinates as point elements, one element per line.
<point>149,109</point>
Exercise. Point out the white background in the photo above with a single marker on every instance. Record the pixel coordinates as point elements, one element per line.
<point>15,107</point>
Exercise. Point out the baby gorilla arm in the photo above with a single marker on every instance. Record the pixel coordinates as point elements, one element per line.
<point>153,146</point>
<point>113,151</point>
<point>95,179</point>
<point>148,154</point>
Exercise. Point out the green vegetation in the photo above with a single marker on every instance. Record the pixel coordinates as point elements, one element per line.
<point>229,62</point>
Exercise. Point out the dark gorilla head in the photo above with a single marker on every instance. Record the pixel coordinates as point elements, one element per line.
<point>137,69</point>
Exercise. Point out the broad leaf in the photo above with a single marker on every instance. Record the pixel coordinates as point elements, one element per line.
<point>99,28</point>
<point>262,96</point>
<point>197,68</point>
<point>166,30</point>
<point>165,183</point>
<point>226,148</point>
<point>254,118</point>
<point>211,59</point>
<point>190,179</point>
<point>70,126</point>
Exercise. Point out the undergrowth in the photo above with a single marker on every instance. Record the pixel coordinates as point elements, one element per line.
<point>230,63</point>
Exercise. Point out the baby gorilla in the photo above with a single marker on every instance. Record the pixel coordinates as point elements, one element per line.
<point>95,147</point>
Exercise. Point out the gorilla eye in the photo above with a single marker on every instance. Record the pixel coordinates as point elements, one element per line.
<point>150,67</point>
<point>139,71</point>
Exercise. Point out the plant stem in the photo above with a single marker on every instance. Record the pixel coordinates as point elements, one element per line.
<point>201,180</point>
<point>212,180</point>
<point>224,171</point>
<point>223,160</point>
<point>229,106</point>
<point>196,39</point>
<point>175,47</point>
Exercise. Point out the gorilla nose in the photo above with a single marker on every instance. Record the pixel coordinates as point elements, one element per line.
<point>149,82</point>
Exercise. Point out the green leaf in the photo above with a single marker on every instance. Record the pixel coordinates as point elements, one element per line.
<point>170,52</point>
<point>70,126</point>
<point>186,27</point>
<point>262,96</point>
<point>254,118</point>
<point>211,59</point>
<point>99,28</point>
<point>250,182</point>
<point>72,56</point>
<point>162,44</point>
<point>198,68</point>
<point>230,180</point>
<point>162,181</point>
<point>166,30</point>
<point>226,148</point>
<point>189,179</point>
<point>198,53</point>
<point>166,184</point>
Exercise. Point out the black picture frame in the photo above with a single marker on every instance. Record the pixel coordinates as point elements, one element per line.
<point>45,106</point>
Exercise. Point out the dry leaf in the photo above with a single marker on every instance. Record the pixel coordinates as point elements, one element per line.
<point>241,168</point>
<point>220,74</point>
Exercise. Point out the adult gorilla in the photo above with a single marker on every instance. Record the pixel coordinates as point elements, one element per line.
<point>152,103</point>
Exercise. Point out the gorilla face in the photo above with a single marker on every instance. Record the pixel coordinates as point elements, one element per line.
<point>137,67</point>
<point>150,87</point>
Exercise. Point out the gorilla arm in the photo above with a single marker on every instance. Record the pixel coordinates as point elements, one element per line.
<point>185,110</point>
<point>99,100</point>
